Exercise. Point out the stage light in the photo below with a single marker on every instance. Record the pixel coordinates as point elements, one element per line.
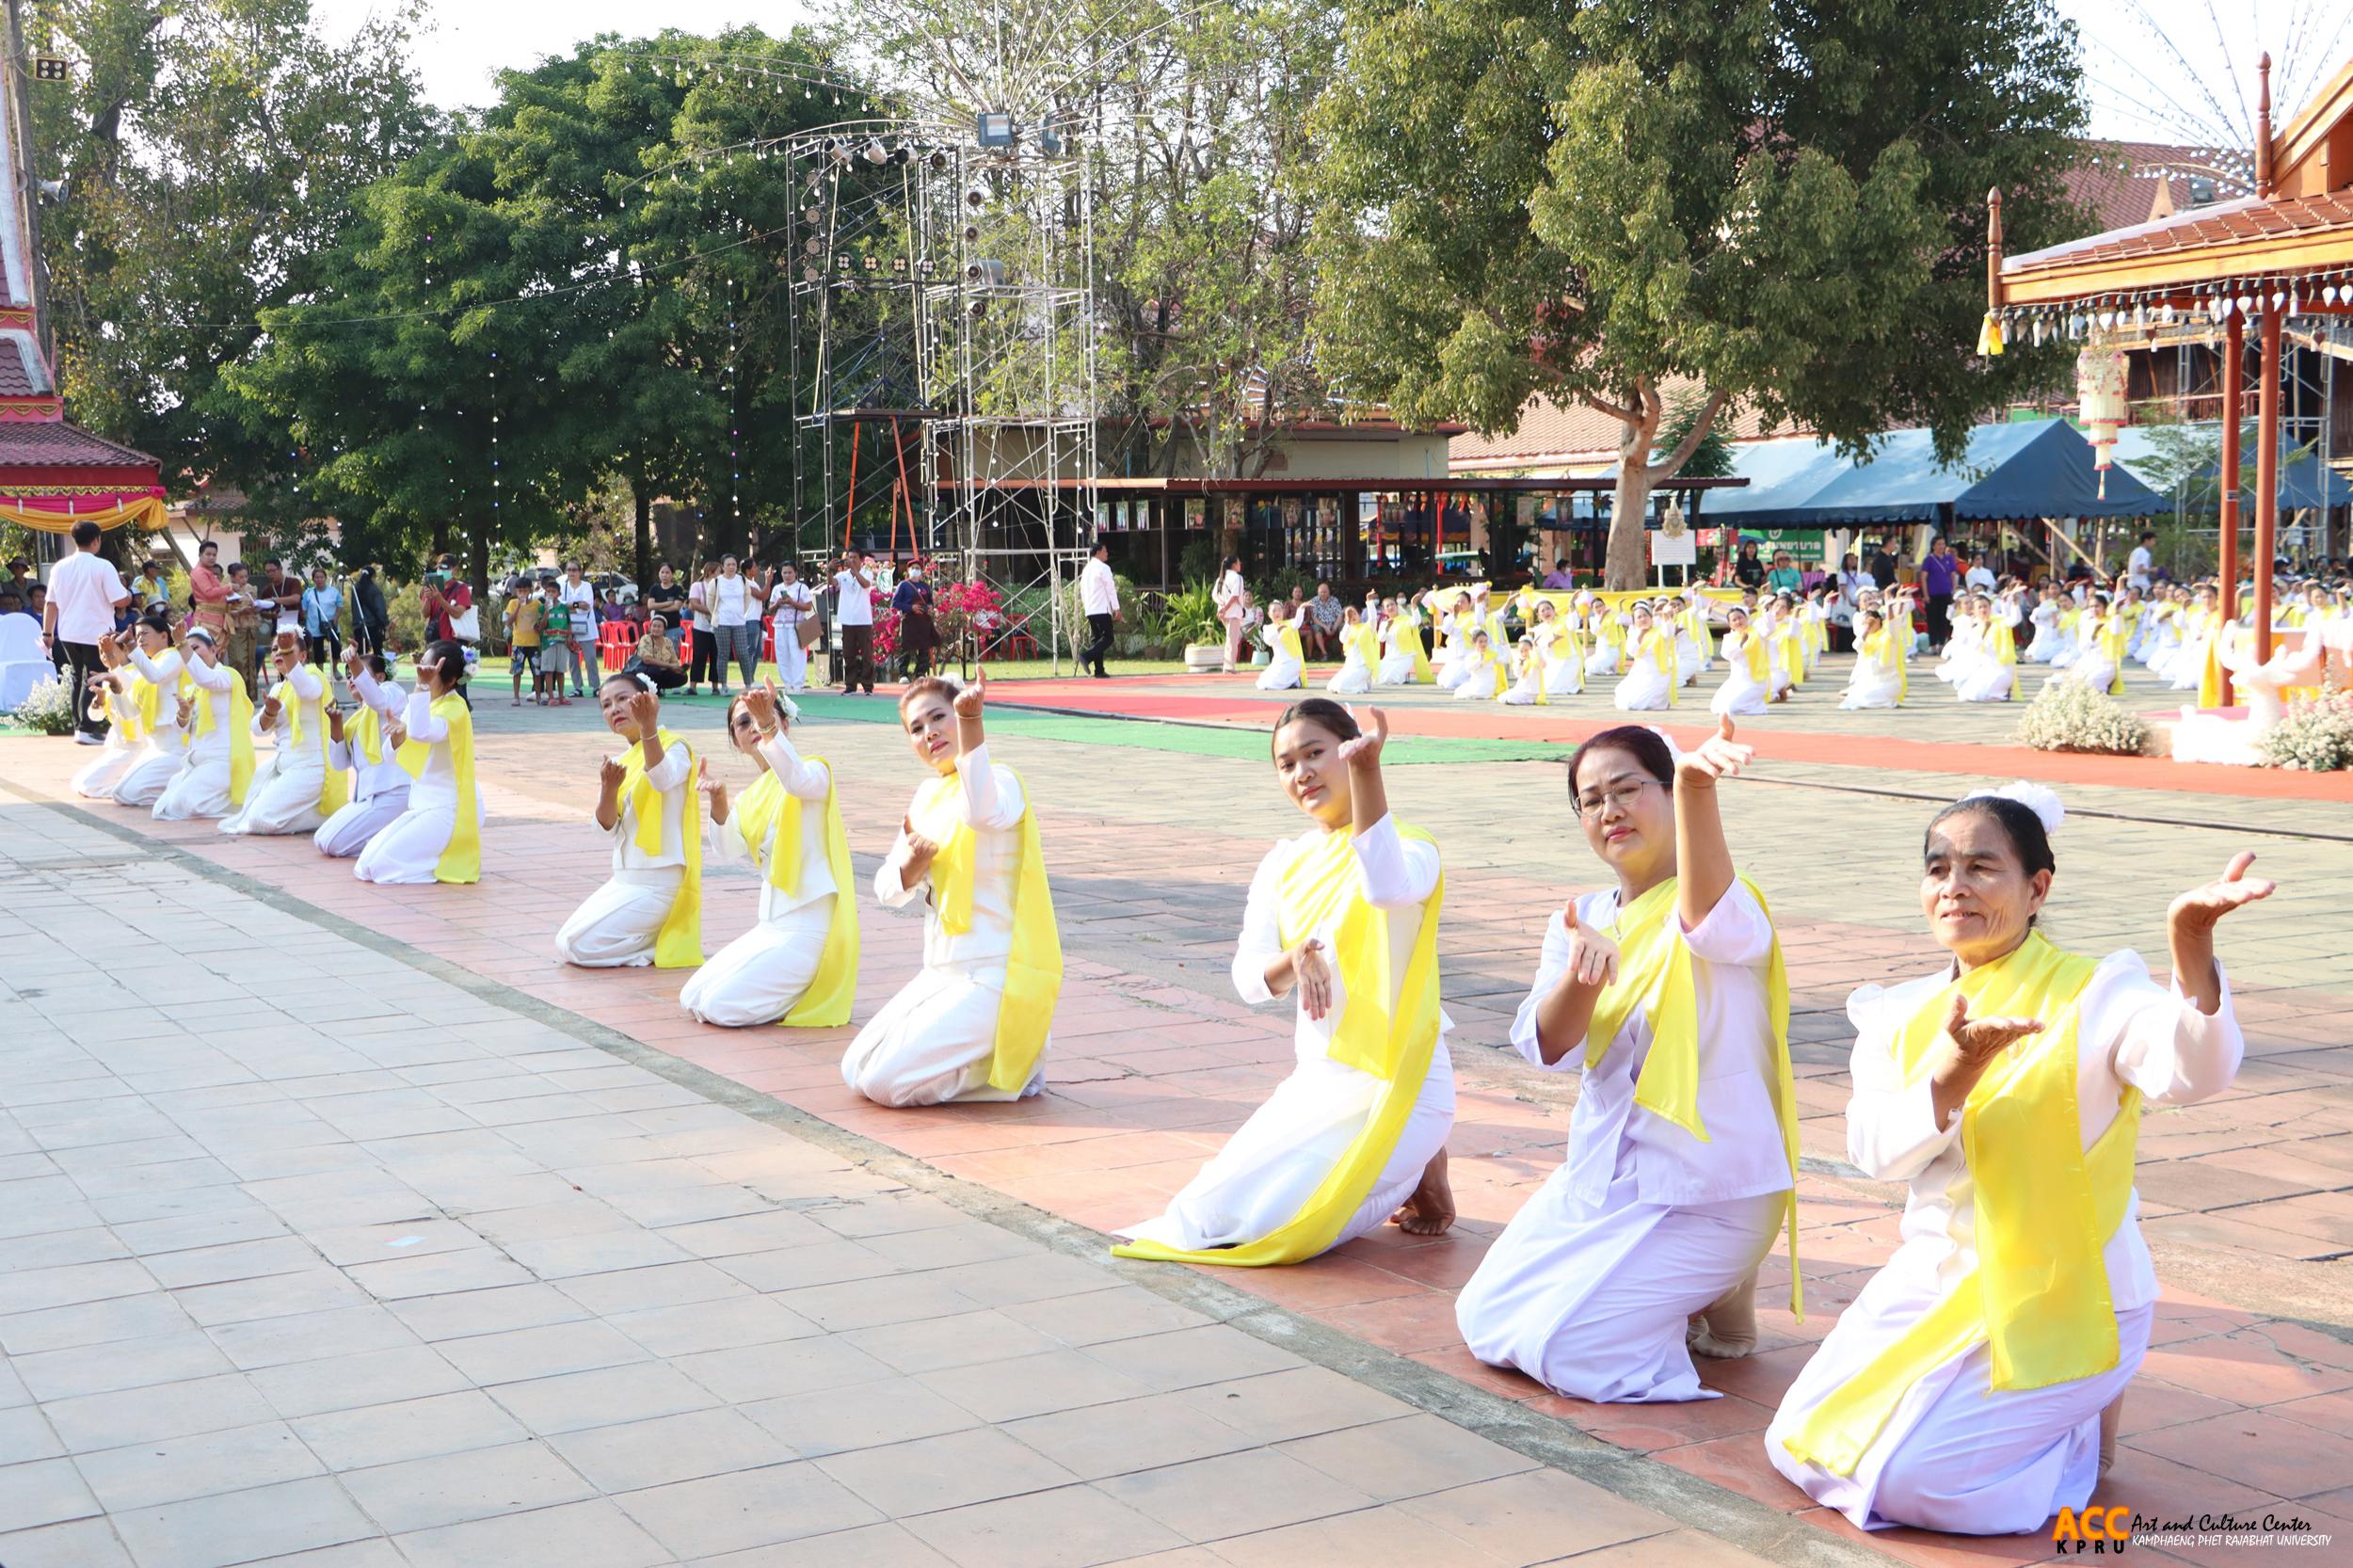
<point>995,130</point>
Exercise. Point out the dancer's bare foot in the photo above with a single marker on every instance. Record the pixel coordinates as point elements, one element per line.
<point>2111,1420</point>
<point>1725,1329</point>
<point>1431,1211</point>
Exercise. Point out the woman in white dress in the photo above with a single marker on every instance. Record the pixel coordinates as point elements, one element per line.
<point>1690,627</point>
<point>1232,600</point>
<point>1481,670</point>
<point>1649,683</point>
<point>1877,680</point>
<point>2099,659</point>
<point>1536,654</point>
<point>2046,643</point>
<point>1286,662</point>
<point>360,745</point>
<point>976,1021</point>
<point>297,791</point>
<point>1347,915</point>
<point>111,698</point>
<point>1991,674</point>
<point>217,766</point>
<point>163,744</point>
<point>2200,630</point>
<point>438,837</point>
<point>798,963</point>
<point>1608,654</point>
<point>1748,670</point>
<point>1452,657</point>
<point>1404,660</point>
<point>1974,1386</point>
<point>649,911</point>
<point>1564,659</point>
<point>1669,991</point>
<point>1360,650</point>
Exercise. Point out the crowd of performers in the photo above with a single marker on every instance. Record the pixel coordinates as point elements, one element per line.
<point>1973,1386</point>
<point>1649,651</point>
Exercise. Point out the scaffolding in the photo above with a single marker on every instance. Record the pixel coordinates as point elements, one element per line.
<point>943,338</point>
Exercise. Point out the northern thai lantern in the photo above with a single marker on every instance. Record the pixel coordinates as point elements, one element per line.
<point>2100,398</point>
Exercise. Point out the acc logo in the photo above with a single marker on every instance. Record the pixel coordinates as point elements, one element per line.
<point>2100,1530</point>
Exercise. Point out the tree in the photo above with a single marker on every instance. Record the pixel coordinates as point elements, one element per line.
<point>210,152</point>
<point>1781,203</point>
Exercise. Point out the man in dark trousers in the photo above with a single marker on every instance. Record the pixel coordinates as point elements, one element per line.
<point>1099,600</point>
<point>1940,574</point>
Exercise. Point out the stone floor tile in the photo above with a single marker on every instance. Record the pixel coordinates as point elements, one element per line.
<point>632,1455</point>
<point>81,1544</point>
<point>179,1469</point>
<point>243,1527</point>
<point>110,1322</point>
<point>359,1438</point>
<point>1375,1538</point>
<point>886,1545</point>
<point>713,1325</point>
<point>1536,1515</point>
<point>1099,1440</point>
<point>895,1410</point>
<point>499,1310</point>
<point>579,1400</point>
<point>521,1354</point>
<point>1407,1457</point>
<point>592,1534</point>
<point>42,1491</point>
<point>948,1471</point>
<point>450,1489</point>
<point>645,1289</point>
<point>1001,1391</point>
<point>171,1356</point>
<point>1121,1312</point>
<point>440,1274</point>
<point>957,1339</point>
<point>748,1507</point>
<point>344,1382</point>
<point>1075,1526</point>
<point>1187,1358</point>
<point>792,1366</point>
<point>162,1411</point>
<point>276,1296</point>
<point>1229,1494</point>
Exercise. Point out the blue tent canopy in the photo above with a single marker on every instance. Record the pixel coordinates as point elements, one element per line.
<point>2305,481</point>
<point>2034,468</point>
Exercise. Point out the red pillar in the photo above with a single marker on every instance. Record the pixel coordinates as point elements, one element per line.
<point>2266,481</point>
<point>2234,372</point>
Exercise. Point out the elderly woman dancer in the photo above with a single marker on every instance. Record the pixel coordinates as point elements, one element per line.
<point>1975,1384</point>
<point>1347,916</point>
<point>1668,991</point>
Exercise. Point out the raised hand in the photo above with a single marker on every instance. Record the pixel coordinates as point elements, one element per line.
<point>973,698</point>
<point>187,711</point>
<point>1717,757</point>
<point>1372,733</point>
<point>334,723</point>
<point>609,777</point>
<point>354,663</point>
<point>1593,954</point>
<point>644,710</point>
<point>761,703</point>
<point>1313,972</point>
<point>715,790</point>
<point>920,853</point>
<point>2200,908</point>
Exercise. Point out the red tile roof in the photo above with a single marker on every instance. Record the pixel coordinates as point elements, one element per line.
<point>51,443</point>
<point>2120,180</point>
<point>2235,222</point>
<point>1550,432</point>
<point>16,378</point>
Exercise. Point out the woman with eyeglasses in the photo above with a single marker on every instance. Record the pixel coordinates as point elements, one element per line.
<point>1345,914</point>
<point>1668,991</point>
<point>1975,1384</point>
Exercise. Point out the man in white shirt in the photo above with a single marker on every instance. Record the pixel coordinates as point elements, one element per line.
<point>792,606</point>
<point>2143,561</point>
<point>1980,577</point>
<point>732,605</point>
<point>85,592</point>
<point>576,594</point>
<point>1099,600</point>
<point>854,611</point>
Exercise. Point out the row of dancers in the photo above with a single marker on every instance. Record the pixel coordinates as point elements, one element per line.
<point>1962,1391</point>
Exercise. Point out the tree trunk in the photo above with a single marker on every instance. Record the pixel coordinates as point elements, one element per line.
<point>478,562</point>
<point>1627,565</point>
<point>441,541</point>
<point>644,504</point>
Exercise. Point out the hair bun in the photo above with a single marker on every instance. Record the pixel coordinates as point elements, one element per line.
<point>2041,799</point>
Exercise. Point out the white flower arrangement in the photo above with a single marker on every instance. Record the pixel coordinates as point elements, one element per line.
<point>2316,736</point>
<point>2069,716</point>
<point>49,710</point>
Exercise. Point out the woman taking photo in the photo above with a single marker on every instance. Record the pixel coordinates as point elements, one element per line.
<point>1976,1383</point>
<point>974,1022</point>
<point>798,963</point>
<point>1346,915</point>
<point>438,837</point>
<point>1668,991</point>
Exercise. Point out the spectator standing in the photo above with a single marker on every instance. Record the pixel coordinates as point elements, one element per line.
<point>242,651</point>
<point>702,654</point>
<point>149,587</point>
<point>1940,574</point>
<point>854,611</point>
<point>281,593</point>
<point>1979,579</point>
<point>667,598</point>
<point>2143,561</point>
<point>208,590</point>
<point>734,601</point>
<point>370,616</point>
<point>322,619</point>
<point>85,592</point>
<point>1881,564</point>
<point>521,618</point>
<point>1559,579</point>
<point>1233,609</point>
<point>919,632</point>
<point>1323,619</point>
<point>579,599</point>
<point>1747,569</point>
<point>435,603</point>
<point>556,652</point>
<point>1099,600</point>
<point>794,607</point>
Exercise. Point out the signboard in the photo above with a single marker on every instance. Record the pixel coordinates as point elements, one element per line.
<point>1673,544</point>
<point>1804,546</point>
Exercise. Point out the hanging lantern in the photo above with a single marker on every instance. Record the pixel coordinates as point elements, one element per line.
<point>2099,380</point>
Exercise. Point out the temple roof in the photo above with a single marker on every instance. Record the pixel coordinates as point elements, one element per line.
<point>54,444</point>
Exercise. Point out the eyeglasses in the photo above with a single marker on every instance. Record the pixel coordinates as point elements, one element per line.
<point>1594,802</point>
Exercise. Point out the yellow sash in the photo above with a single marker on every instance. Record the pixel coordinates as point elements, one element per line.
<point>1695,622</point>
<point>2045,1209</point>
<point>766,806</point>
<point>240,729</point>
<point>1655,975</point>
<point>2210,677</point>
<point>679,944</point>
<point>1413,646</point>
<point>1287,642</point>
<point>461,857</point>
<point>1536,649</point>
<point>1660,650</point>
<point>1366,642</point>
<point>148,700</point>
<point>364,734</point>
<point>1749,649</point>
<point>1034,967</point>
<point>334,792</point>
<point>1394,1046</point>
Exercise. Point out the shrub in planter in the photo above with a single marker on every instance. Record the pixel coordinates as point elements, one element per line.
<point>2316,735</point>
<point>2068,716</point>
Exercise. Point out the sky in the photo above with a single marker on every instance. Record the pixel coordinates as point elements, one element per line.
<point>2178,71</point>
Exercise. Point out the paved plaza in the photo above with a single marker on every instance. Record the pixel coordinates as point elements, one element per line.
<point>341,1225</point>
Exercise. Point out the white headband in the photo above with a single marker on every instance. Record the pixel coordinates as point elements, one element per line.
<point>2039,798</point>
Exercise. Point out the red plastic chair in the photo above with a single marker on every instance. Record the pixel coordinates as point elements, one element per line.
<point>616,640</point>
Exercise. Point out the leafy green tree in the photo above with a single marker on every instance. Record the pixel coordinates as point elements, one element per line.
<point>211,151</point>
<point>1783,202</point>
